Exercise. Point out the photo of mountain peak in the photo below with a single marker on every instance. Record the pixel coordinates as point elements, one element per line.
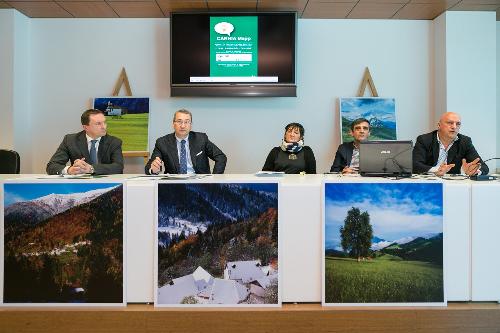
<point>63,243</point>
<point>380,112</point>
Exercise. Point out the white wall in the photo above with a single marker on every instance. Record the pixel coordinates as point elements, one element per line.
<point>471,76</point>
<point>75,60</point>
<point>498,95</point>
<point>6,79</point>
<point>439,68</point>
<point>23,140</point>
<point>15,124</point>
<point>70,61</point>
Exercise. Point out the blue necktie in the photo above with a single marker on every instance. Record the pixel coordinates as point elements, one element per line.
<point>183,158</point>
<point>93,152</point>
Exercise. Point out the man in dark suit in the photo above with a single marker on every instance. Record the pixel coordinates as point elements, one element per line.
<point>446,151</point>
<point>347,156</point>
<point>89,151</point>
<point>185,151</point>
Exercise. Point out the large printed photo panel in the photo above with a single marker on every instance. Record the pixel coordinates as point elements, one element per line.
<point>217,244</point>
<point>383,244</point>
<point>63,244</point>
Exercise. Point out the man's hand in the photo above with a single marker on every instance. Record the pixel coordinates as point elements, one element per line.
<point>443,169</point>
<point>470,169</point>
<point>349,170</point>
<point>156,165</point>
<point>79,166</point>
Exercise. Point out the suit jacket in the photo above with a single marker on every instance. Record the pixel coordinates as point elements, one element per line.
<point>343,157</point>
<point>426,153</point>
<point>74,146</point>
<point>200,148</point>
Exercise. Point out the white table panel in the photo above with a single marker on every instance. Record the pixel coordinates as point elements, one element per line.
<point>300,233</point>
<point>485,206</point>
<point>457,242</point>
<point>300,236</point>
<point>140,207</point>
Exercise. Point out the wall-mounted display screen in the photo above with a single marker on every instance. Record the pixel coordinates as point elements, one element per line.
<point>233,54</point>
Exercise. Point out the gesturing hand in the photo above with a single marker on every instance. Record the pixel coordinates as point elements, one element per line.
<point>470,169</point>
<point>443,169</point>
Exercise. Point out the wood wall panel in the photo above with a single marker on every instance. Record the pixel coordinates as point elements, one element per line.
<point>291,318</point>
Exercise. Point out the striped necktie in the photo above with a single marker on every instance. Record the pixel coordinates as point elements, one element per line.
<point>183,158</point>
<point>93,152</point>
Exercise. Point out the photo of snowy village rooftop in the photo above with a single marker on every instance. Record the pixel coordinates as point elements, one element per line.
<point>244,282</point>
<point>217,244</point>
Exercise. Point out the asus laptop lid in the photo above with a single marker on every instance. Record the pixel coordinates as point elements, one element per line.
<point>385,158</point>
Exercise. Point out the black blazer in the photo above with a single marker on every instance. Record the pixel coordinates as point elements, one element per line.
<point>74,146</point>
<point>200,148</point>
<point>343,157</point>
<point>426,153</point>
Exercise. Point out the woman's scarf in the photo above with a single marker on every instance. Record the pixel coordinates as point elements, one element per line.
<point>292,147</point>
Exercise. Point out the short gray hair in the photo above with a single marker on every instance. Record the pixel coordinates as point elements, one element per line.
<point>185,112</point>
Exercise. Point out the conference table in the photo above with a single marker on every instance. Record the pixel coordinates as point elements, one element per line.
<point>471,229</point>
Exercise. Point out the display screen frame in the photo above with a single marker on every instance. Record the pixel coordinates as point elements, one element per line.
<point>276,56</point>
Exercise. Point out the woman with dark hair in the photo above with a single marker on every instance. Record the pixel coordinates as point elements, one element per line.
<point>291,156</point>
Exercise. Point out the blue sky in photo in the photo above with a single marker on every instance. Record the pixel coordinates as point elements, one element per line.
<point>383,109</point>
<point>397,210</point>
<point>17,192</point>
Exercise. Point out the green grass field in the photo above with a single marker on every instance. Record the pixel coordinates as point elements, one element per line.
<point>386,279</point>
<point>132,129</point>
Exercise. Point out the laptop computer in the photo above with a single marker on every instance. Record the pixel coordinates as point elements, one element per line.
<point>385,158</point>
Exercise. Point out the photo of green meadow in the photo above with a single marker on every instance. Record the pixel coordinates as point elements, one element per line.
<point>128,119</point>
<point>383,243</point>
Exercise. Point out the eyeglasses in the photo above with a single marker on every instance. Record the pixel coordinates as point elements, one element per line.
<point>182,122</point>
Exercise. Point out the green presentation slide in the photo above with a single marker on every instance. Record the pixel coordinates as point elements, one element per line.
<point>233,46</point>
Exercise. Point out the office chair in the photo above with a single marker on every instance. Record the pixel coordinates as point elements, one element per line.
<point>10,162</point>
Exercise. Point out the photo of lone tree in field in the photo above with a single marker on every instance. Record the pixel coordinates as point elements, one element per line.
<point>356,234</point>
<point>383,243</point>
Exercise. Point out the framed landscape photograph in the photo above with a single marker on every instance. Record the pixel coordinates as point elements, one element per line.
<point>63,244</point>
<point>127,119</point>
<point>217,244</point>
<point>381,112</point>
<point>383,244</point>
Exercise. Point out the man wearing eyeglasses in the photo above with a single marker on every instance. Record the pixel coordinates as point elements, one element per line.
<point>185,151</point>
<point>446,151</point>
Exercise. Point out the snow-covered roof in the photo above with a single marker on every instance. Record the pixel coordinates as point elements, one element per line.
<point>266,281</point>
<point>179,288</point>
<point>246,271</point>
<point>202,278</point>
<point>198,283</point>
<point>227,292</point>
<point>257,290</point>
